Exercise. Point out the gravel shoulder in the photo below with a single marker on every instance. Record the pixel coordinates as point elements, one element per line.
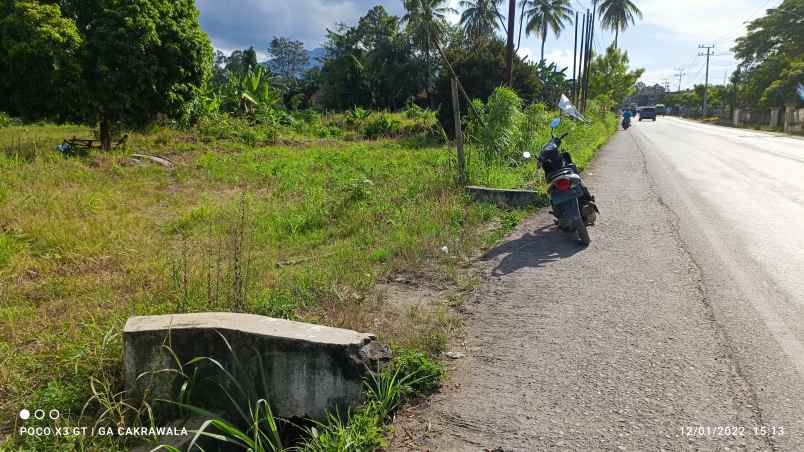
<point>615,346</point>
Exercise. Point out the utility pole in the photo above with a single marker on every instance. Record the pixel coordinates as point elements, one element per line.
<point>591,30</point>
<point>574,59</point>
<point>666,84</point>
<point>680,73</point>
<point>581,62</point>
<point>709,52</point>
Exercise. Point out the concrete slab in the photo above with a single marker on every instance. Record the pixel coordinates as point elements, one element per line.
<point>302,369</point>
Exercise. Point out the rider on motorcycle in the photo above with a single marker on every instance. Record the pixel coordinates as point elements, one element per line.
<point>627,115</point>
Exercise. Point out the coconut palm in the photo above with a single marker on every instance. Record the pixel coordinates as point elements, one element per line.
<point>544,15</point>
<point>618,15</point>
<point>479,18</point>
<point>426,20</point>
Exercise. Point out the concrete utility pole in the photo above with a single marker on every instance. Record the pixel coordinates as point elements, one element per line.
<point>666,84</point>
<point>680,73</point>
<point>709,52</point>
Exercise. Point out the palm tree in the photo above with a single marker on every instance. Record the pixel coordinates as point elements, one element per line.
<point>426,20</point>
<point>479,18</point>
<point>548,14</point>
<point>618,15</point>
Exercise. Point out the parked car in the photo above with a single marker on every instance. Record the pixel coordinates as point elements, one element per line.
<point>647,113</point>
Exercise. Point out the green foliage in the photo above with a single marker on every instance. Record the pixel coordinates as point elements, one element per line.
<point>547,15</point>
<point>288,57</point>
<point>381,126</point>
<point>427,373</point>
<point>126,60</point>
<point>359,430</point>
<point>372,64</point>
<point>497,132</point>
<point>554,82</point>
<point>612,77</point>
<point>7,121</point>
<point>507,131</point>
<point>38,60</point>
<point>772,58</point>
<point>618,15</point>
<point>481,69</point>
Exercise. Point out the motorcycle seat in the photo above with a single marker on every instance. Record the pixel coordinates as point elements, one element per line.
<point>561,172</point>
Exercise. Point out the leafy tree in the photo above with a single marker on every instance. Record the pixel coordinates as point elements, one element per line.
<point>137,58</point>
<point>373,64</point>
<point>38,60</point>
<point>288,57</point>
<point>610,75</point>
<point>240,62</point>
<point>618,15</point>
<point>772,54</point>
<point>140,58</point>
<point>554,82</point>
<point>548,15</point>
<point>480,18</point>
<point>481,70</point>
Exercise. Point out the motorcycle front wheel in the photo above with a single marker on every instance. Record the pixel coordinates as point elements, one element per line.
<point>583,233</point>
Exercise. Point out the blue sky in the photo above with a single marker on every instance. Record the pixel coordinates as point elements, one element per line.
<point>666,39</point>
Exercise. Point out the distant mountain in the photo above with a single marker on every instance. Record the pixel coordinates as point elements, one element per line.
<point>315,56</point>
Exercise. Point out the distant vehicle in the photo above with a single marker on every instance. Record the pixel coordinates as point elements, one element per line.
<point>661,109</point>
<point>647,113</point>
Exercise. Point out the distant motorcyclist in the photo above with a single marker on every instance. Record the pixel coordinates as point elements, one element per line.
<point>627,119</point>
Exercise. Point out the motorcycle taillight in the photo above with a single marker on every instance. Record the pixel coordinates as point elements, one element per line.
<point>562,184</point>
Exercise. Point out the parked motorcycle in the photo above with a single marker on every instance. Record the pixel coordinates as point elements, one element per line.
<point>572,204</point>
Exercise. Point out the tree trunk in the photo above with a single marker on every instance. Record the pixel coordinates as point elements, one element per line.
<point>509,57</point>
<point>544,38</point>
<point>616,37</point>
<point>105,134</point>
<point>521,21</point>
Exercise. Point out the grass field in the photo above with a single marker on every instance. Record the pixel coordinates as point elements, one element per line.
<point>302,229</point>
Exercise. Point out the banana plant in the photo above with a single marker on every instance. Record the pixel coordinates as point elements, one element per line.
<point>249,92</point>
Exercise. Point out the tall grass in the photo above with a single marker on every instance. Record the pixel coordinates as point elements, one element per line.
<point>506,130</point>
<point>256,429</point>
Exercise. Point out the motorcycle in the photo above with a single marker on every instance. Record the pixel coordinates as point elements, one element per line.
<point>626,123</point>
<point>572,204</point>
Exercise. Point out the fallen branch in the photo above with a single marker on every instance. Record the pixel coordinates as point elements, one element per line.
<point>158,160</point>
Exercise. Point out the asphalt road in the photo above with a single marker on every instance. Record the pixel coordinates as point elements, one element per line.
<point>680,328</point>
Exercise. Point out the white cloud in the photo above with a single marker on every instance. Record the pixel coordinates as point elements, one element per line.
<point>562,58</point>
<point>697,21</point>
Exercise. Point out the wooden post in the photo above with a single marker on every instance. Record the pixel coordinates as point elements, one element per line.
<point>456,113</point>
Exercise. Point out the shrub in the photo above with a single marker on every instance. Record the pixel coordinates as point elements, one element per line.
<point>8,121</point>
<point>497,133</point>
<point>381,127</point>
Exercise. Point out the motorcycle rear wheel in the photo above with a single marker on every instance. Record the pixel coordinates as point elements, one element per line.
<point>583,233</point>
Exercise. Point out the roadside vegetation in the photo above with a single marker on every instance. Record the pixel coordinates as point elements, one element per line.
<point>770,73</point>
<point>260,188</point>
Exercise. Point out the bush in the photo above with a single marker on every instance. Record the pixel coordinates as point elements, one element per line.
<point>498,131</point>
<point>381,126</point>
<point>8,121</point>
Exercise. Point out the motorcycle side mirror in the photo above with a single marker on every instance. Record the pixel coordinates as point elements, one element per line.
<point>526,155</point>
<point>554,123</point>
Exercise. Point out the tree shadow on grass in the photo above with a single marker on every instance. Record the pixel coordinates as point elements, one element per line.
<point>533,249</point>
